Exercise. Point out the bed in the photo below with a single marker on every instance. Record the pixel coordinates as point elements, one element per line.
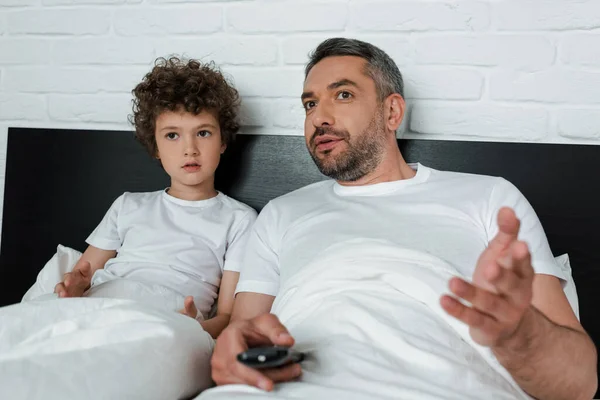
<point>59,183</point>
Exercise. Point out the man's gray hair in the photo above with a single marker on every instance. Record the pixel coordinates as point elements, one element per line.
<point>380,67</point>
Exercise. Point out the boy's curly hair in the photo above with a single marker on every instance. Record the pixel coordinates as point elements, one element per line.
<point>174,84</point>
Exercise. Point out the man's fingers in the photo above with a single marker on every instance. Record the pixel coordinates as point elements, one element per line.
<point>488,303</point>
<point>473,318</point>
<point>508,229</point>
<point>252,377</point>
<point>285,373</point>
<point>521,260</point>
<point>260,331</point>
<point>268,325</point>
<point>265,378</point>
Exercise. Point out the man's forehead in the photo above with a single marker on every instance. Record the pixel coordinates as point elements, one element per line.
<point>334,69</point>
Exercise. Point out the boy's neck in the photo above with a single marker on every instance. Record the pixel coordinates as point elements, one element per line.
<point>192,193</point>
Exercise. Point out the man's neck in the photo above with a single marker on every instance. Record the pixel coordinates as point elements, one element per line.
<point>392,168</point>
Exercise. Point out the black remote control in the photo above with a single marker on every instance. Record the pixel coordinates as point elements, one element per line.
<point>269,357</point>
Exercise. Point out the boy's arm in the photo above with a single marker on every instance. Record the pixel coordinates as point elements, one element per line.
<point>215,325</point>
<point>76,282</point>
<point>249,305</point>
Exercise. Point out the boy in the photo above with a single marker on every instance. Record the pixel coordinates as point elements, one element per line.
<point>188,239</point>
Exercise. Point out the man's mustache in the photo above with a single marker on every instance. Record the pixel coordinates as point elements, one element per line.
<point>320,131</point>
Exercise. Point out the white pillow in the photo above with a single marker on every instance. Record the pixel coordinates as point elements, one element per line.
<point>62,262</point>
<point>569,287</point>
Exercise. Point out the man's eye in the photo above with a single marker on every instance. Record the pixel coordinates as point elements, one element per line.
<point>172,135</point>
<point>344,95</point>
<point>309,104</point>
<point>204,133</point>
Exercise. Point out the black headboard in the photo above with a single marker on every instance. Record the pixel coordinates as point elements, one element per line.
<point>59,184</point>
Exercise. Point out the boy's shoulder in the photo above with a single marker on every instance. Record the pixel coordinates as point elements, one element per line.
<point>141,196</point>
<point>235,205</point>
<point>138,199</point>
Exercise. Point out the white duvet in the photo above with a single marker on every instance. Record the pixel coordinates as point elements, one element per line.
<point>100,348</point>
<point>368,315</point>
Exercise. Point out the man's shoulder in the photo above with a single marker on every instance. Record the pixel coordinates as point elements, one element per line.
<point>441,176</point>
<point>304,195</point>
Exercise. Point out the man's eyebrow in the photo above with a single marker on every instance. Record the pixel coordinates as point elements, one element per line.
<point>306,95</point>
<point>341,82</point>
<point>331,86</point>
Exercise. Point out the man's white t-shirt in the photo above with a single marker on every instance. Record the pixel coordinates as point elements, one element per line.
<point>165,241</point>
<point>452,216</point>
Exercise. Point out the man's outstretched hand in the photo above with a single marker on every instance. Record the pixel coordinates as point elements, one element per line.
<point>502,287</point>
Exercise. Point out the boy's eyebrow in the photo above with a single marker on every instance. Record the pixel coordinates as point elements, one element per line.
<point>206,125</point>
<point>331,86</point>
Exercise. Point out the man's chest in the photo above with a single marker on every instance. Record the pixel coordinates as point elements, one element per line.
<point>453,235</point>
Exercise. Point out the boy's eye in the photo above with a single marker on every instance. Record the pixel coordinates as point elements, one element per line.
<point>204,133</point>
<point>309,104</point>
<point>171,135</point>
<point>344,95</point>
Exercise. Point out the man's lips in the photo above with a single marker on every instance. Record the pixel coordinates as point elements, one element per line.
<point>326,142</point>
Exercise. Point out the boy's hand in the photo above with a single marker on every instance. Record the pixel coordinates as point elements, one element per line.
<point>189,308</point>
<point>75,283</point>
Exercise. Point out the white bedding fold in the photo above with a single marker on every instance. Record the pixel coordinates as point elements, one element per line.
<point>98,348</point>
<point>368,313</point>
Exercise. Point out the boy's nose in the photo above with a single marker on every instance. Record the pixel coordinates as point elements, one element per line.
<point>192,151</point>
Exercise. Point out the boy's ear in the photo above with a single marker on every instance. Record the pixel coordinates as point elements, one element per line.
<point>223,147</point>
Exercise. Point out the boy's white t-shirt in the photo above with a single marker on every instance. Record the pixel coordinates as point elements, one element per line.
<point>165,241</point>
<point>450,215</point>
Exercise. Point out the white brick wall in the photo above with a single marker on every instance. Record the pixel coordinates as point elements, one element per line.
<point>516,70</point>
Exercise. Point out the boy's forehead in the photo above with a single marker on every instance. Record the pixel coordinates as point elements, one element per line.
<point>181,116</point>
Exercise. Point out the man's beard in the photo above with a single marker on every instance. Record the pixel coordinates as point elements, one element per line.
<point>359,159</point>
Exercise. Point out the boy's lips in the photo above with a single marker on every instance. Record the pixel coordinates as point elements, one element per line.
<point>191,167</point>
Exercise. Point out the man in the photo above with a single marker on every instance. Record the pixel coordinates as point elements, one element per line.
<point>513,302</point>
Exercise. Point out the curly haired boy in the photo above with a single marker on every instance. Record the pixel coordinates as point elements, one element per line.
<point>179,248</point>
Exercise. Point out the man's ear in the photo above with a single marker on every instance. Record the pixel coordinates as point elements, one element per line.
<point>395,109</point>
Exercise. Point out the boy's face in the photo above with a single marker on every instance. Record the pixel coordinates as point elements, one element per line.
<point>189,148</point>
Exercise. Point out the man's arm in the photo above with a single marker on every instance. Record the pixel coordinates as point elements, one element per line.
<point>550,355</point>
<point>525,319</point>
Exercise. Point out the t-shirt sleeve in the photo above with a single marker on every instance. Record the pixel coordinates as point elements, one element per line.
<point>505,194</point>
<point>236,242</point>
<point>260,272</point>
<point>106,235</point>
